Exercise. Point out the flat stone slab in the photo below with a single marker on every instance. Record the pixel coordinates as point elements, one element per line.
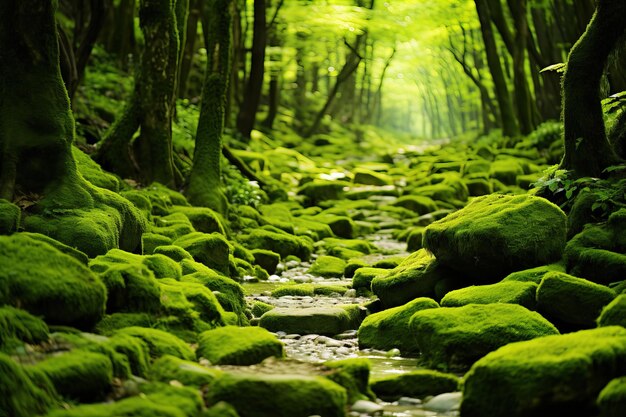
<point>314,320</point>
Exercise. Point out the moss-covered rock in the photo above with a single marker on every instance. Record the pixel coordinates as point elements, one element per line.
<point>314,320</point>
<point>229,293</point>
<point>282,243</point>
<point>328,267</point>
<point>322,190</point>
<point>612,399</point>
<point>221,409</point>
<point>570,301</point>
<point>478,187</point>
<point>456,337</point>
<point>414,239</point>
<point>280,395</point>
<point>233,345</point>
<point>170,368</point>
<point>79,375</point>
<point>298,290</point>
<point>203,219</point>
<point>18,327</point>
<point>417,203</point>
<point>415,384</point>
<point>135,350</point>
<point>534,274</point>
<point>134,406</point>
<point>266,259</point>
<point>211,250</point>
<point>10,215</point>
<point>92,172</point>
<point>512,292</point>
<point>506,170</point>
<point>528,231</point>
<point>174,226</point>
<point>48,283</point>
<point>389,328</point>
<point>537,377</point>
<point>363,277</point>
<point>342,226</point>
<point>369,177</point>
<point>413,278</point>
<point>614,313</point>
<point>353,374</point>
<point>175,253</point>
<point>19,395</point>
<point>160,343</point>
<point>151,241</point>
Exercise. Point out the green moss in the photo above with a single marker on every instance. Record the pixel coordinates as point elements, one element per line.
<point>413,278</point>
<point>113,322</point>
<point>134,406</point>
<point>163,266</point>
<point>299,290</point>
<point>353,374</point>
<point>554,374</point>
<point>352,266</point>
<point>68,250</point>
<point>10,215</point>
<point>321,190</point>
<point>233,345</point>
<point>358,245</point>
<point>169,368</point>
<point>203,219</point>
<point>363,277</point>
<point>512,292</point>
<point>259,308</point>
<point>341,226</point>
<point>281,243</point>
<point>19,395</point>
<point>314,320</point>
<point>280,395</point>
<point>48,283</point>
<point>415,384</point>
<point>478,187</point>
<point>266,259</point>
<point>307,226</point>
<point>329,289</point>
<point>614,313</point>
<point>570,301</point>
<point>612,399</point>
<point>327,267</point>
<point>159,342</point>
<point>92,172</point>
<point>528,231</point>
<point>414,239</point>
<point>506,170</point>
<point>173,225</point>
<point>389,328</point>
<point>416,203</point>
<point>79,375</point>
<point>140,201</point>
<point>135,349</point>
<point>175,253</point>
<point>229,293</point>
<point>211,250</point>
<point>221,409</point>
<point>18,327</point>
<point>456,337</point>
<point>183,298</point>
<point>369,177</point>
<point>151,241</point>
<point>534,274</point>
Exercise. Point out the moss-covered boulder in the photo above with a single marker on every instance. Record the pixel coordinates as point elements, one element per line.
<point>528,231</point>
<point>10,215</point>
<point>159,342</point>
<point>572,302</point>
<point>19,395</point>
<point>536,377</point>
<point>135,350</point>
<point>368,177</point>
<point>18,327</point>
<point>478,187</point>
<point>353,374</point>
<point>280,395</point>
<point>170,368</point>
<point>203,219</point>
<point>415,277</point>
<point>328,267</point>
<point>211,250</point>
<point>279,242</point>
<point>46,282</point>
<point>342,226</point>
<point>229,293</point>
<point>511,292</point>
<point>364,276</point>
<point>389,328</point>
<point>612,399</point>
<point>323,190</point>
<point>175,253</point>
<point>232,345</point>
<point>614,313</point>
<point>534,274</point>
<point>266,259</point>
<point>506,170</point>
<point>456,337</point>
<point>415,384</point>
<point>314,320</point>
<point>79,374</point>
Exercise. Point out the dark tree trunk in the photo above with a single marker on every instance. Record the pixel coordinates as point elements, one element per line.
<point>190,49</point>
<point>252,95</point>
<point>587,150</point>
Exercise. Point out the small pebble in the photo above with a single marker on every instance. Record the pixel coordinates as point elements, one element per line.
<point>443,403</point>
<point>366,407</point>
<point>408,401</point>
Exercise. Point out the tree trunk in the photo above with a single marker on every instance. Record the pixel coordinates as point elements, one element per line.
<point>523,99</point>
<point>252,95</point>
<point>587,150</point>
<point>190,49</point>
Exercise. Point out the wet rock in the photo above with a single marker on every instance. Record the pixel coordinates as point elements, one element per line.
<point>444,403</point>
<point>419,383</point>
<point>366,407</point>
<point>319,320</point>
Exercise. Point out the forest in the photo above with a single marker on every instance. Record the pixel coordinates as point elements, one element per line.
<point>312,208</point>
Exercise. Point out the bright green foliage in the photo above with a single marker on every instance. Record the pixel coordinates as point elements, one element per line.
<point>528,231</point>
<point>210,249</point>
<point>536,377</point>
<point>415,384</point>
<point>369,177</point>
<point>10,215</point>
<point>417,203</point>
<point>160,343</point>
<point>534,274</point>
<point>169,368</point>
<point>570,301</point>
<point>363,277</point>
<point>18,326</point>
<point>614,313</point>
<point>612,399</point>
<point>280,395</point>
<point>314,320</point>
<point>266,259</point>
<point>389,328</point>
<point>282,243</point>
<point>456,337</point>
<point>353,374</point>
<point>413,278</point>
<point>233,345</point>
<point>48,283</point>
<point>19,395</point>
<point>512,292</point>
<point>328,267</point>
<point>79,375</point>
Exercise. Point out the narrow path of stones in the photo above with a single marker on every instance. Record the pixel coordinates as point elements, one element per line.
<point>314,348</point>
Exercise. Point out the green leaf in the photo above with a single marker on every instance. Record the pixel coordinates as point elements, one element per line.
<point>560,68</point>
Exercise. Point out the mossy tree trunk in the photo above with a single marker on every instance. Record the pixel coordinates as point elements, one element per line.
<point>152,105</point>
<point>587,149</point>
<point>205,185</point>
